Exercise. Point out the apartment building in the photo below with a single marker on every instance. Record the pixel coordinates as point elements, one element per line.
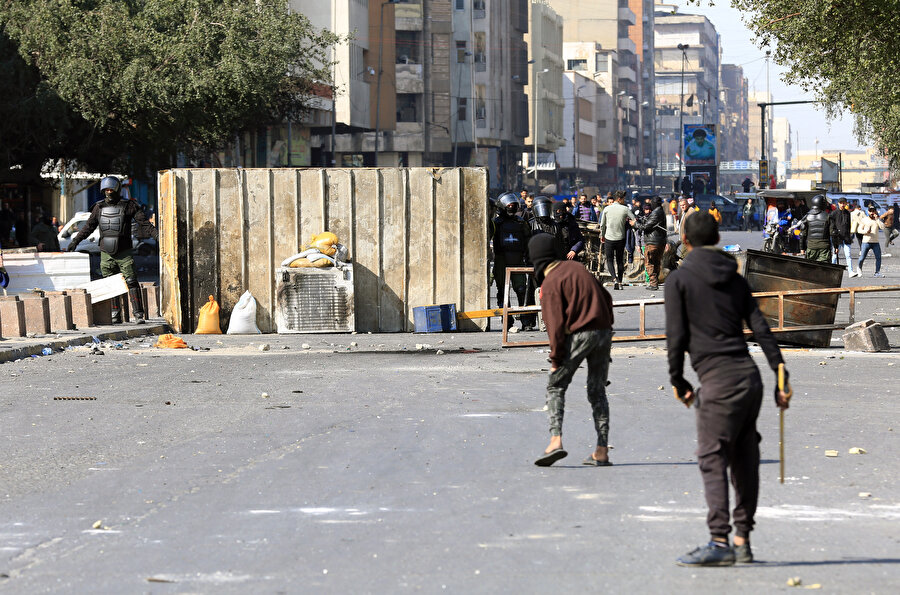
<point>544,90</point>
<point>734,117</point>
<point>641,33</point>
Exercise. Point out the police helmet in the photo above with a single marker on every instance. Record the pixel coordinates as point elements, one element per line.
<point>110,183</point>
<point>818,202</point>
<point>542,206</point>
<point>508,202</point>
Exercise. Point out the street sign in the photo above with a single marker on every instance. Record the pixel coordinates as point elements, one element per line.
<point>763,172</point>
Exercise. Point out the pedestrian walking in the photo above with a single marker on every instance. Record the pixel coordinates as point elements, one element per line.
<point>869,229</point>
<point>889,232</point>
<point>579,318</point>
<point>115,216</point>
<point>653,228</point>
<point>614,222</point>
<point>749,213</point>
<point>841,238</point>
<point>729,402</point>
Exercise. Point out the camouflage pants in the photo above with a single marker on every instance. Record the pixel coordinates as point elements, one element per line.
<point>818,254</point>
<point>120,262</point>
<point>593,346</point>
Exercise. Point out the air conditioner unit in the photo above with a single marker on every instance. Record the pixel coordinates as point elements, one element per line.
<point>311,300</point>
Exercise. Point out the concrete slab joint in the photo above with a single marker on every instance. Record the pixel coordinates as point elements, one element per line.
<point>866,335</point>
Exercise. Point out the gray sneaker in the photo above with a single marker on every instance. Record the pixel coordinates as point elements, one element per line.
<point>708,555</point>
<point>743,554</point>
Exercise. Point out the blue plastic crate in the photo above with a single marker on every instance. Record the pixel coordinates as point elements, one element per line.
<point>436,318</point>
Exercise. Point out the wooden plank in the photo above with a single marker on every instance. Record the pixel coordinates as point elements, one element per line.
<point>169,280</point>
<point>286,213</point>
<point>232,247</point>
<point>473,314</point>
<point>367,245</point>
<point>106,288</point>
<point>258,225</point>
<point>312,203</point>
<point>203,227</point>
<point>474,244</point>
<point>393,240</point>
<point>447,239</point>
<point>420,210</point>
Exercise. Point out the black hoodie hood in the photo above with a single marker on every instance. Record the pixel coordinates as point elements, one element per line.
<point>541,253</point>
<point>710,265</point>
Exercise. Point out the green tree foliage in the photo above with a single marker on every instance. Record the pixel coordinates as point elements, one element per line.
<point>150,78</point>
<point>843,53</point>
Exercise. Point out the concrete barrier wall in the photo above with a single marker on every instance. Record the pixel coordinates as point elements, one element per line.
<point>416,236</point>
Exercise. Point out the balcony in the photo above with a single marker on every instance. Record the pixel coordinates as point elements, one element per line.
<point>409,78</point>
<point>480,62</point>
<point>626,16</point>
<point>627,73</point>
<point>478,9</point>
<point>408,16</point>
<point>624,44</point>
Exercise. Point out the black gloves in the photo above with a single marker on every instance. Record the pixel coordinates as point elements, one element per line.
<point>787,385</point>
<point>72,246</point>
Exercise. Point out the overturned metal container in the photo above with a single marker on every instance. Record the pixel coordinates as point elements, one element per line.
<point>774,272</point>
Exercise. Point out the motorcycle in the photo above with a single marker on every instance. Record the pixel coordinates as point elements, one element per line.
<point>780,237</point>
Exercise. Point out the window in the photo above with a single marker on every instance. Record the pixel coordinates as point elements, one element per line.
<point>602,63</point>
<point>461,105</point>
<point>461,51</point>
<point>576,65</point>
<point>460,4</point>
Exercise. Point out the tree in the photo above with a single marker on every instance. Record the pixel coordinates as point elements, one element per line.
<point>843,53</point>
<point>149,78</point>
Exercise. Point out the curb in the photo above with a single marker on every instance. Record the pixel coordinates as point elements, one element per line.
<point>35,348</point>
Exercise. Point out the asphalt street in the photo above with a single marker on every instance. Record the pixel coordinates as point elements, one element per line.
<point>398,463</point>
<point>382,468</point>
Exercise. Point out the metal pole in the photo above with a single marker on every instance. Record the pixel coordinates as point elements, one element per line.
<point>680,135</point>
<point>535,135</point>
<point>333,108</point>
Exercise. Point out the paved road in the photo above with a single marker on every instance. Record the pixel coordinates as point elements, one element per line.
<point>378,468</point>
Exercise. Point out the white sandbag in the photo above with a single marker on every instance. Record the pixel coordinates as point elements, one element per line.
<point>243,317</point>
<point>287,261</point>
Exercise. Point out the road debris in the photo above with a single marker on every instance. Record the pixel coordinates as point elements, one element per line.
<point>865,495</point>
<point>170,341</point>
<point>74,398</point>
<point>857,451</point>
<point>831,453</point>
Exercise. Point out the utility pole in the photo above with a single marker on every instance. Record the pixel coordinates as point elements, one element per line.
<point>680,135</point>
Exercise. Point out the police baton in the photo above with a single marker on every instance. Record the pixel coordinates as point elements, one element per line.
<point>786,389</point>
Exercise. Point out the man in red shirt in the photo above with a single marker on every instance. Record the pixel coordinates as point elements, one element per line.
<point>577,311</point>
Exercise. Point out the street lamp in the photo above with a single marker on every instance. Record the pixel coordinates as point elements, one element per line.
<point>380,70</point>
<point>680,135</point>
<point>576,117</point>
<point>535,135</point>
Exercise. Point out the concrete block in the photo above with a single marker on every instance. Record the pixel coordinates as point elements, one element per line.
<point>102,311</point>
<point>82,310</point>
<point>37,314</point>
<point>150,295</point>
<point>60,311</point>
<point>12,317</point>
<point>867,335</point>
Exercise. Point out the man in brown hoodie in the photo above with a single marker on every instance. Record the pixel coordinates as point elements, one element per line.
<point>578,313</point>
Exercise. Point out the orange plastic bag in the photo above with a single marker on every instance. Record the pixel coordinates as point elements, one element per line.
<point>208,324</point>
<point>170,341</point>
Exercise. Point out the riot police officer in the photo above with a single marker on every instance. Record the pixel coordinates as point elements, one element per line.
<point>510,236</point>
<point>816,229</point>
<point>572,240</point>
<point>115,215</point>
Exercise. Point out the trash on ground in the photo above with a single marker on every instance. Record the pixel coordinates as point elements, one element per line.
<point>857,451</point>
<point>97,524</point>
<point>46,351</point>
<point>865,495</point>
<point>831,453</point>
<point>264,347</point>
<point>170,341</point>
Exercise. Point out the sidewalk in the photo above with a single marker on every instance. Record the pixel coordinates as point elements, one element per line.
<point>12,349</point>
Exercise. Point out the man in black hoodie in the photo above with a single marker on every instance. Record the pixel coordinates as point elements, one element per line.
<point>732,387</point>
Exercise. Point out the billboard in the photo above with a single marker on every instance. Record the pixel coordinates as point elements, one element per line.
<point>699,143</point>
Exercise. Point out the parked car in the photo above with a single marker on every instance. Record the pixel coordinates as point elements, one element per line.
<point>727,207</point>
<point>91,244</point>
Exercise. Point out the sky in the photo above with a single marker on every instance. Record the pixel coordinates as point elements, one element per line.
<point>738,48</point>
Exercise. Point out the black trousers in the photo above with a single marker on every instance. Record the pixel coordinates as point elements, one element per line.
<point>730,399</point>
<point>615,258</point>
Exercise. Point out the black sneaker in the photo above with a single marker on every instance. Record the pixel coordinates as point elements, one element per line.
<point>708,555</point>
<point>743,554</point>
